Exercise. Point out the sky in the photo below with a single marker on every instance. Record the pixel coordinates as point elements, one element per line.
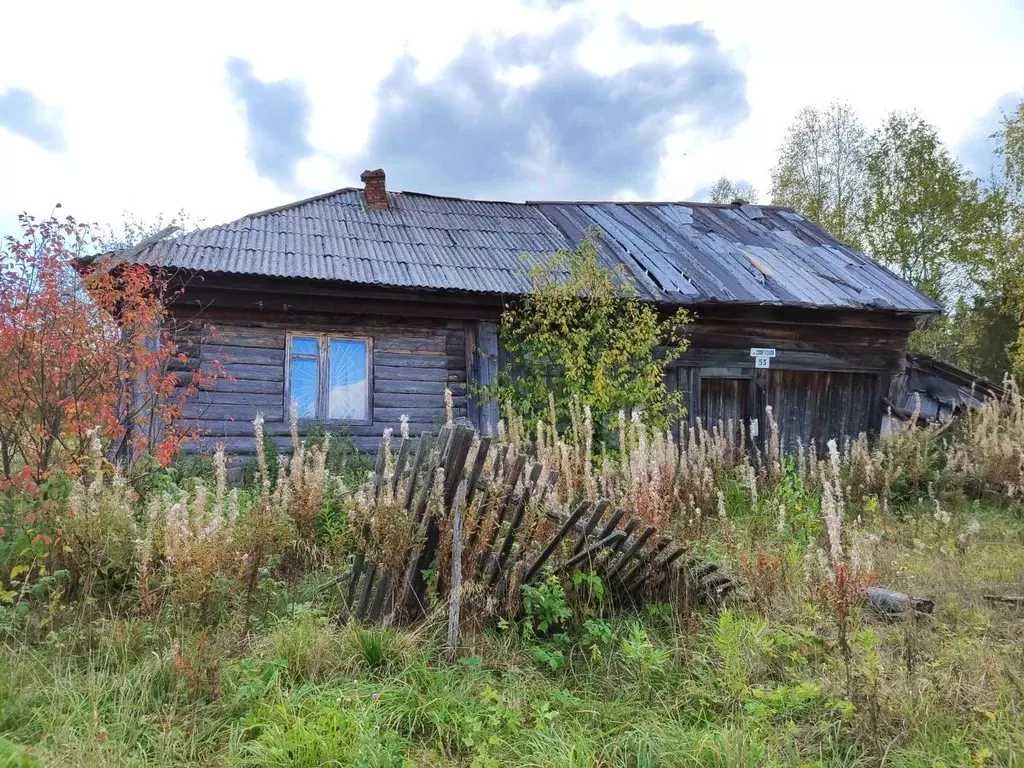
<point>222,109</point>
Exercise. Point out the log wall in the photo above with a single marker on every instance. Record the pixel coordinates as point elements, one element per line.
<point>413,362</point>
<point>831,370</point>
<point>827,380</point>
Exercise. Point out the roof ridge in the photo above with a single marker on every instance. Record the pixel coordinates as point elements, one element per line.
<point>687,203</point>
<point>524,203</point>
<point>287,206</point>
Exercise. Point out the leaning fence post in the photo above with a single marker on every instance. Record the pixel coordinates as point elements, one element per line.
<point>455,592</point>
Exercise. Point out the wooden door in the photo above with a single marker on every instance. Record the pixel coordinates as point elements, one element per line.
<point>724,402</point>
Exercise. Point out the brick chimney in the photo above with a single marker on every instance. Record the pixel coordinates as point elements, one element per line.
<point>374,192</point>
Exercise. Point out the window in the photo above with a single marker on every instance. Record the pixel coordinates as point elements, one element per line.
<point>329,377</point>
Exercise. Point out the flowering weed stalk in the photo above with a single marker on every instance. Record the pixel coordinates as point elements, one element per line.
<point>839,571</point>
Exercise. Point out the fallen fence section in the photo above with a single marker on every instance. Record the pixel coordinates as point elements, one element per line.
<point>508,534</point>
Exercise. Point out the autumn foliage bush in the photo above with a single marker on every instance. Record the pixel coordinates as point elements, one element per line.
<point>85,354</point>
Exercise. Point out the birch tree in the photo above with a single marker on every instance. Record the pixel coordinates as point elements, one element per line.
<point>822,170</point>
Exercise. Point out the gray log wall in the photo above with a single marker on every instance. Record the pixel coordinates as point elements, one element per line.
<point>413,362</point>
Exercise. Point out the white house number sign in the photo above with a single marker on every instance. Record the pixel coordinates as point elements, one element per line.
<point>762,356</point>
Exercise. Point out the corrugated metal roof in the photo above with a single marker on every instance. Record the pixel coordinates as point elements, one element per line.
<point>679,253</point>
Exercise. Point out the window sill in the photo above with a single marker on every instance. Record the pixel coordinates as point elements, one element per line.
<point>335,422</point>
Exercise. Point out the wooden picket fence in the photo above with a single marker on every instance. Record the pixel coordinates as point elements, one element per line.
<point>635,561</point>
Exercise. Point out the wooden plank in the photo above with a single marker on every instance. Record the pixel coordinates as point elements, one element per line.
<point>364,599</point>
<point>239,336</point>
<point>472,381</point>
<point>661,568</point>
<point>235,446</point>
<point>599,510</point>
<point>487,372</point>
<point>400,462</point>
<point>635,573</point>
<point>225,428</point>
<point>549,548</point>
<point>631,526</point>
<point>402,373</point>
<point>426,415</point>
<point>423,449</point>
<point>477,470</point>
<point>410,401</point>
<point>357,566</point>
<point>231,412</point>
<point>238,398</point>
<point>610,540</point>
<point>511,480</point>
<point>415,584</point>
<point>867,361</point>
<point>509,484</point>
<point>418,510</point>
<point>410,387</point>
<point>404,360</point>
<point>517,519</point>
<point>246,371</point>
<point>631,551</point>
<point>462,441</point>
<point>612,522</point>
<point>377,606</point>
<point>247,355</point>
<point>237,299</point>
<point>647,567</point>
<point>254,386</point>
<point>455,342</point>
<point>378,471</point>
<point>406,344</point>
<point>455,578</point>
<point>366,444</point>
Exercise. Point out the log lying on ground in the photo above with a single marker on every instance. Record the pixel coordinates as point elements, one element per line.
<point>897,604</point>
<point>1017,600</point>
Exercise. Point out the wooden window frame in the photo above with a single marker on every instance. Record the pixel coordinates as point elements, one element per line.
<point>323,346</point>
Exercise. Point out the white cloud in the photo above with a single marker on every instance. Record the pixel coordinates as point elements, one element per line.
<point>150,124</point>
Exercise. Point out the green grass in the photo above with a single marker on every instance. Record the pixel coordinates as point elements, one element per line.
<point>738,688</point>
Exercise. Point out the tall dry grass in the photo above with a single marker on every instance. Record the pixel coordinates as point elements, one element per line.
<point>989,454</point>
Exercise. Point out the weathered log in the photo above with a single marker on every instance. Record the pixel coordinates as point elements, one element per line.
<point>895,604</point>
<point>1006,599</point>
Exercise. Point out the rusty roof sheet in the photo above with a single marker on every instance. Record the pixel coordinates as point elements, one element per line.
<point>679,253</point>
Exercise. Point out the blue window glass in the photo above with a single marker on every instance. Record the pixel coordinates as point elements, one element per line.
<point>305,383</point>
<point>304,345</point>
<point>347,385</point>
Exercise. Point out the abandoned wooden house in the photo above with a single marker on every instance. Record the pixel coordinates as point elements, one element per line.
<point>362,305</point>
